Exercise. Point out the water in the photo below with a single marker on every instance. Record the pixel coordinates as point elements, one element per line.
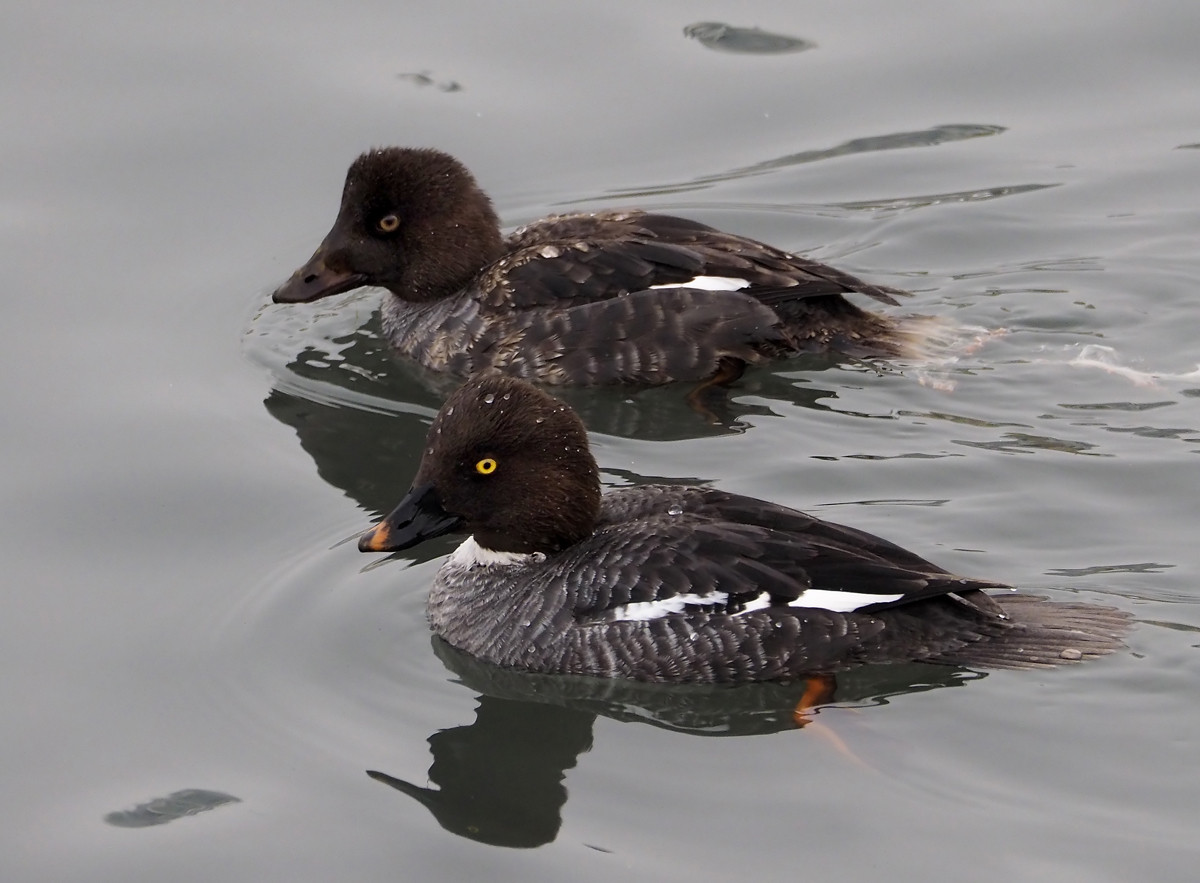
<point>184,624</point>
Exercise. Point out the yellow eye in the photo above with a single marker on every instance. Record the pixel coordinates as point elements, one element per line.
<point>486,466</point>
<point>389,224</point>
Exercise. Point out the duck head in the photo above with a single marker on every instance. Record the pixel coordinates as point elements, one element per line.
<point>504,462</point>
<point>412,221</point>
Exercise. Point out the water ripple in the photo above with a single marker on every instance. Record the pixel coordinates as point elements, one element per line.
<point>892,141</point>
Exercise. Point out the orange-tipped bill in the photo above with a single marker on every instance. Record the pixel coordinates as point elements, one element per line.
<point>419,517</point>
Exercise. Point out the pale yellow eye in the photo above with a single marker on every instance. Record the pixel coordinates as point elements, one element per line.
<point>486,466</point>
<point>389,224</point>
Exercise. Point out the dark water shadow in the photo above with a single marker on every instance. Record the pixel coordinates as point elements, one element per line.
<point>176,805</point>
<point>501,779</point>
<point>363,417</point>
<point>426,78</point>
<point>744,41</point>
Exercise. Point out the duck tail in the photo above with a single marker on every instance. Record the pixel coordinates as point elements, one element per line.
<point>930,347</point>
<point>1038,633</point>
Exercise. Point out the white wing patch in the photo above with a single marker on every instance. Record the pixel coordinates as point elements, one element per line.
<point>639,611</point>
<point>759,603</point>
<point>841,602</point>
<point>710,283</point>
<point>838,602</point>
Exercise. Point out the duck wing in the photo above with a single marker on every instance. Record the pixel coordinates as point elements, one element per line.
<point>575,259</point>
<point>705,551</point>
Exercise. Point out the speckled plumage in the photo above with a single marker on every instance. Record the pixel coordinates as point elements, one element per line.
<point>573,299</point>
<point>557,578</point>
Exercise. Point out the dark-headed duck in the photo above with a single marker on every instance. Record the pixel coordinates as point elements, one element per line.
<point>681,584</point>
<point>584,299</point>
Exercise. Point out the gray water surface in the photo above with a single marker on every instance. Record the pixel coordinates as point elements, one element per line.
<point>198,672</point>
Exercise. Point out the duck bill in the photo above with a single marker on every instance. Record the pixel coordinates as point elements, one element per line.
<point>316,280</point>
<point>419,517</point>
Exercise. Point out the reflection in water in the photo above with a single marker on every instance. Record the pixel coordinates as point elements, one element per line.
<point>699,709</point>
<point>362,414</point>
<point>500,779</point>
<point>751,41</point>
<point>371,455</point>
<point>175,805</point>
<point>357,371</point>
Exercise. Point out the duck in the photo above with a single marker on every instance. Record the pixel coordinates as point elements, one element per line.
<point>590,299</point>
<point>677,583</point>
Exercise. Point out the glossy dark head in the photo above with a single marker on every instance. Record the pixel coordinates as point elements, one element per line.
<point>504,462</point>
<point>412,220</point>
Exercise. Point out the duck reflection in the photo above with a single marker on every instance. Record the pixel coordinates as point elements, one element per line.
<point>500,780</point>
<point>363,418</point>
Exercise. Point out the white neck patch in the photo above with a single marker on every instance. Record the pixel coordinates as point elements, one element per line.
<point>471,554</point>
